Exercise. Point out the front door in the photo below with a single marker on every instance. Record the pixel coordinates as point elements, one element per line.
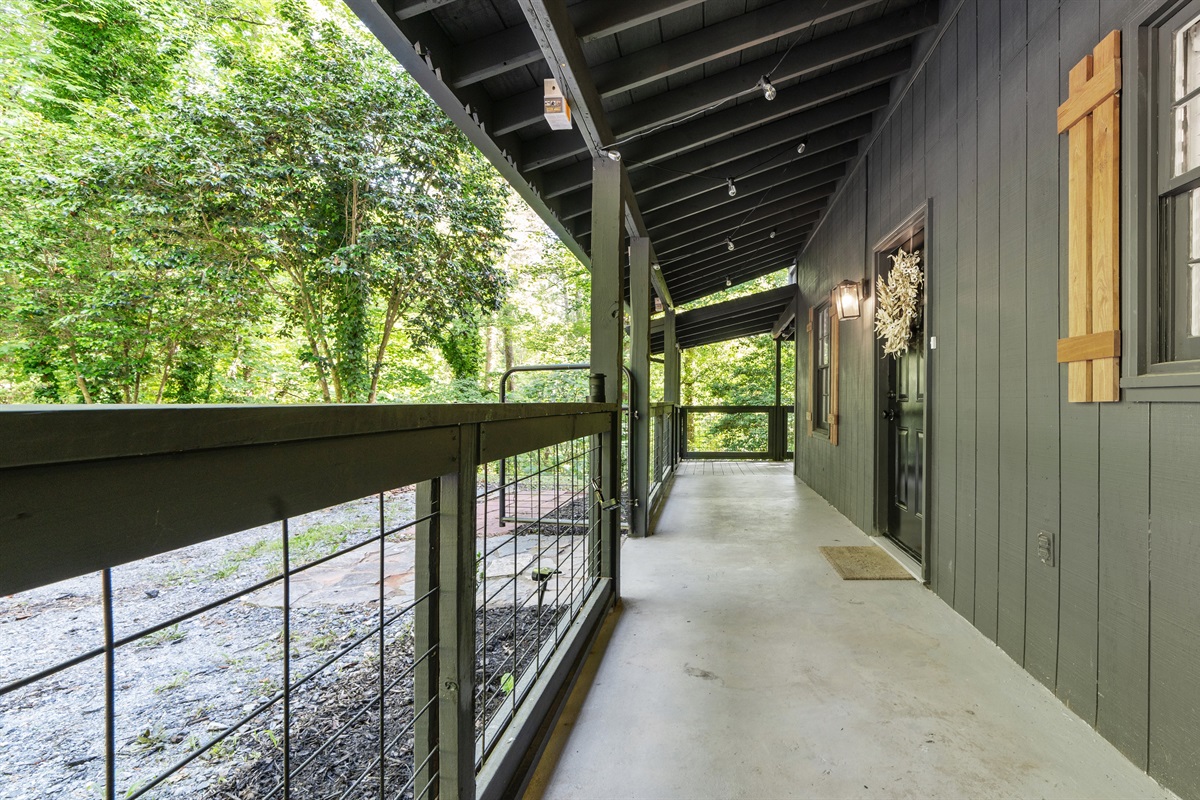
<point>904,418</point>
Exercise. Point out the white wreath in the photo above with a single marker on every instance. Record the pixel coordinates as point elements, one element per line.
<point>899,302</point>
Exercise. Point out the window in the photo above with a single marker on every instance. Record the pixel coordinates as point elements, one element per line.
<point>821,378</point>
<point>1176,310</point>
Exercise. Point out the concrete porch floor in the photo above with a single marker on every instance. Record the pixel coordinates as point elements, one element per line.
<point>741,666</point>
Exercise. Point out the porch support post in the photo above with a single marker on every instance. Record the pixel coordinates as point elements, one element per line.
<point>671,382</point>
<point>426,632</point>
<point>778,438</point>
<point>608,330</point>
<point>639,390</point>
<point>456,622</point>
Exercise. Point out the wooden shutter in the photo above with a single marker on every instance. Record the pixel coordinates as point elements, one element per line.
<point>1091,118</point>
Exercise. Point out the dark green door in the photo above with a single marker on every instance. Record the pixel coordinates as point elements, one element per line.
<point>903,409</point>
<point>904,412</point>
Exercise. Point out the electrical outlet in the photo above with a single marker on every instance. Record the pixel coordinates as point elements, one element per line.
<point>1045,548</point>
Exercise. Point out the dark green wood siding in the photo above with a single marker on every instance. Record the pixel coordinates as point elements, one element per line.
<point>1113,628</point>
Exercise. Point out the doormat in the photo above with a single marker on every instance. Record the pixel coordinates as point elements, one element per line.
<point>867,563</point>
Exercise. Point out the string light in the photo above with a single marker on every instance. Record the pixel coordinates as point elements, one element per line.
<point>732,187</point>
<point>800,147</point>
<point>768,88</point>
<point>728,282</point>
<point>614,155</point>
<point>728,243</point>
<point>772,233</point>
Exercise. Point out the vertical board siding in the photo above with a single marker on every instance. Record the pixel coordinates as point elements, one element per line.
<point>943,227</point>
<point>1080,422</point>
<point>968,169</point>
<point>987,319</point>
<point>1041,369</point>
<point>1010,632</point>
<point>1112,626</point>
<point>1174,601</point>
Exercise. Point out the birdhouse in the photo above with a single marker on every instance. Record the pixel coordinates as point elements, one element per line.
<point>555,107</point>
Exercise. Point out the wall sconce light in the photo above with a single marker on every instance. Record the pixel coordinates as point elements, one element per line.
<point>847,299</point>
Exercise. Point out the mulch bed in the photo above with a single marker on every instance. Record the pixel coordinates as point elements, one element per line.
<point>350,699</point>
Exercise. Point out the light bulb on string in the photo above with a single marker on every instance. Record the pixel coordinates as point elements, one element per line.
<point>768,88</point>
<point>728,282</point>
<point>732,187</point>
<point>771,235</point>
<point>615,155</point>
<point>729,244</point>
<point>801,146</point>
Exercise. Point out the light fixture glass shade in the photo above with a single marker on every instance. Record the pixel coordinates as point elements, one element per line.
<point>847,299</point>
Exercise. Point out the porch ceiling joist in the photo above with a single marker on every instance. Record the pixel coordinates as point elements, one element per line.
<point>735,34</point>
<point>833,62</point>
<point>645,181</point>
<point>744,274</point>
<point>755,229</point>
<point>719,258</point>
<point>748,197</point>
<point>470,111</point>
<point>854,116</point>
<point>554,147</point>
<point>506,50</point>
<point>723,264</point>
<point>817,54</point>
<point>770,173</point>
<point>733,319</point>
<point>560,44</point>
<point>724,219</point>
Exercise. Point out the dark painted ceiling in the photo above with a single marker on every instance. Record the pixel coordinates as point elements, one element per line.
<point>772,312</point>
<point>672,85</point>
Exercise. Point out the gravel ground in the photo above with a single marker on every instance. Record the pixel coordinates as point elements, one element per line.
<point>179,687</point>
<point>175,688</point>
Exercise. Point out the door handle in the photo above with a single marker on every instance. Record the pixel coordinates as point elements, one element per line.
<point>889,414</point>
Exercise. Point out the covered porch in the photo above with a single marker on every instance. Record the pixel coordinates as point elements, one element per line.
<point>741,666</point>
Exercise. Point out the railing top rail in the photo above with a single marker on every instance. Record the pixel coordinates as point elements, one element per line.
<point>760,409</point>
<point>38,435</point>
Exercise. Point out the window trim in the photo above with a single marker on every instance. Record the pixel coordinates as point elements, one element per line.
<point>1142,377</point>
<point>828,426</point>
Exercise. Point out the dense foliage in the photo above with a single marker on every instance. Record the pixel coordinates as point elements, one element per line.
<point>250,201</point>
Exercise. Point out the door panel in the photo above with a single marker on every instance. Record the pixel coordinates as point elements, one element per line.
<point>904,412</point>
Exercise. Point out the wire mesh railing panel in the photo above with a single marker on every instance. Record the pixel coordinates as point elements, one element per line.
<point>532,575</point>
<point>274,662</point>
<point>726,432</point>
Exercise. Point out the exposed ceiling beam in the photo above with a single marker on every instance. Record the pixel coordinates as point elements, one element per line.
<point>683,272</point>
<point>743,275</point>
<point>717,254</point>
<point>809,100</point>
<point>785,318</point>
<point>593,19</point>
<point>407,9</point>
<point>755,192</point>
<point>765,176</point>
<point>596,19</point>
<point>647,180</point>
<point>715,41</point>
<point>469,110</point>
<point>493,55</point>
<point>815,55</point>
<point>716,156</point>
<point>783,222</point>
<point>756,301</point>
<point>727,217</point>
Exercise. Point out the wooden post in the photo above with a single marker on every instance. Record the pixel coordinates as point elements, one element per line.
<point>426,630</point>
<point>1091,118</point>
<point>639,390</point>
<point>456,622</point>
<point>607,339</point>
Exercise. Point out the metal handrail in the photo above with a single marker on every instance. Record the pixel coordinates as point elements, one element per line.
<point>508,373</point>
